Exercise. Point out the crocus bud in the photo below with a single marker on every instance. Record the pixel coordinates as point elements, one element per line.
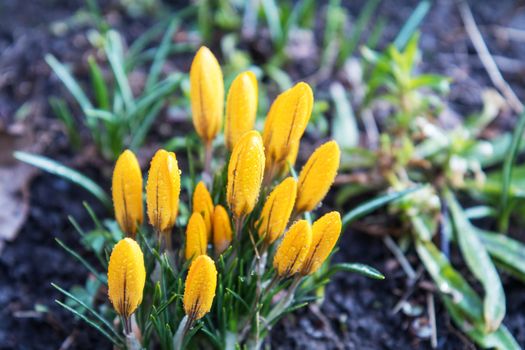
<point>291,254</point>
<point>241,107</point>
<point>277,210</point>
<point>196,242</point>
<point>199,288</point>
<point>127,193</point>
<point>126,277</point>
<point>163,190</point>
<point>207,94</point>
<point>222,230</point>
<point>285,124</point>
<point>245,173</point>
<point>203,204</point>
<point>316,176</point>
<point>325,233</point>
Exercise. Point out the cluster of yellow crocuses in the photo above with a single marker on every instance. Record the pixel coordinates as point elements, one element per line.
<point>255,164</point>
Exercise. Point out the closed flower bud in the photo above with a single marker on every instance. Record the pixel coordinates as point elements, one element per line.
<point>277,210</point>
<point>292,252</point>
<point>163,190</point>
<point>207,94</point>
<point>325,233</point>
<point>286,123</point>
<point>241,107</point>
<point>316,177</point>
<point>127,193</point>
<point>245,173</point>
<point>199,288</point>
<point>196,241</point>
<point>222,229</point>
<point>203,204</point>
<point>126,277</point>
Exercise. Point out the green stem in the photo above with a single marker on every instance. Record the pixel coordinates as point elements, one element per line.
<point>208,154</point>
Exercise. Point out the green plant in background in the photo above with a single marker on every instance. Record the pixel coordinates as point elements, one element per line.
<point>118,118</point>
<point>115,118</point>
<point>246,257</point>
<point>450,162</point>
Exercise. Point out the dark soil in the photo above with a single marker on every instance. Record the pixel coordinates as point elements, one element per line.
<point>356,313</point>
<point>33,261</point>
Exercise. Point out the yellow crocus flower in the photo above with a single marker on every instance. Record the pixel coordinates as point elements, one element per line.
<point>241,107</point>
<point>317,176</point>
<point>199,288</point>
<point>126,191</point>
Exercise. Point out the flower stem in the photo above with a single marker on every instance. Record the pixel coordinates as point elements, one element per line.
<point>208,153</point>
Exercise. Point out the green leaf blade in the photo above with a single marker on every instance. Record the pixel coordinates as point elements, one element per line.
<point>61,170</point>
<point>480,264</point>
<point>375,204</point>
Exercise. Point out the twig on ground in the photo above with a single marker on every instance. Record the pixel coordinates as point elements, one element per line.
<point>69,341</point>
<point>432,317</point>
<point>408,292</point>
<point>486,58</point>
<point>314,308</point>
<point>400,256</point>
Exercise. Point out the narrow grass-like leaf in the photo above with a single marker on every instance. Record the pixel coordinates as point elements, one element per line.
<point>58,169</point>
<point>93,216</point>
<point>115,54</point>
<point>145,39</point>
<point>348,47</point>
<point>479,262</point>
<point>480,212</point>
<point>76,225</point>
<point>91,323</point>
<point>83,261</point>
<point>279,76</point>
<point>87,307</point>
<point>302,16</point>
<point>140,133</point>
<point>160,55</point>
<point>71,84</point>
<point>99,85</point>
<point>157,93</point>
<point>271,12</point>
<point>175,48</point>
<point>214,338</point>
<point>204,19</point>
<point>239,298</point>
<point>333,33</point>
<point>151,34</point>
<point>375,204</point>
<point>344,125</point>
<point>508,164</point>
<point>375,35</point>
<point>62,111</point>
<point>101,114</point>
<point>361,269</point>
<point>411,24</point>
<point>295,307</point>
